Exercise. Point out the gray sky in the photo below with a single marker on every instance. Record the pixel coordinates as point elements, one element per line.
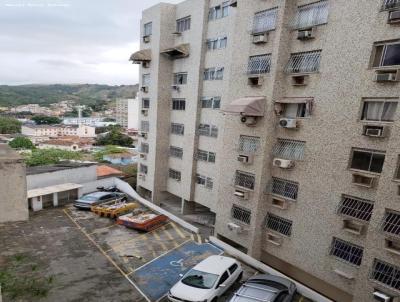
<point>70,41</point>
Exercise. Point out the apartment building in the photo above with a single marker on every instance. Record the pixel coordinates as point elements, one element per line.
<point>58,130</point>
<point>281,117</point>
<point>127,113</point>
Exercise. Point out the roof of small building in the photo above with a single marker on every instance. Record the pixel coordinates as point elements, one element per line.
<point>56,167</point>
<point>103,171</point>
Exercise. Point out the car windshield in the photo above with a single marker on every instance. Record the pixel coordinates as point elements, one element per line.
<point>200,279</point>
<point>89,198</point>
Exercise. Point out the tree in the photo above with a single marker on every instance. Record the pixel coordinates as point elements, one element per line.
<point>114,137</point>
<point>87,112</point>
<point>40,157</point>
<point>9,125</point>
<point>22,143</point>
<point>46,120</point>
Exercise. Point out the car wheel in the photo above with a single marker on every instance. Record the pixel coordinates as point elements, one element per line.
<point>239,277</point>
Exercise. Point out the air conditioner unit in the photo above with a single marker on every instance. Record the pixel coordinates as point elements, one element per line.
<point>305,34</point>
<point>249,120</point>
<point>258,39</point>
<point>146,64</point>
<point>175,87</point>
<point>233,227</point>
<point>367,181</point>
<point>143,155</point>
<point>386,77</point>
<point>145,112</point>
<point>255,80</point>
<point>246,159</point>
<point>374,131</point>
<point>241,194</point>
<point>394,17</point>
<point>288,123</point>
<point>143,134</point>
<point>382,297</point>
<point>283,163</point>
<point>146,39</point>
<point>144,89</point>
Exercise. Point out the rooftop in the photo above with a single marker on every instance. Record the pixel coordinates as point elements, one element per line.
<point>103,171</point>
<point>56,167</point>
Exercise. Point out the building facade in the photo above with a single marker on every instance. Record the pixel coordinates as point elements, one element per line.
<point>127,113</point>
<point>281,117</point>
<point>58,130</point>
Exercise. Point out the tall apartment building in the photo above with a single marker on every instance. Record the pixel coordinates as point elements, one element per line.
<point>282,117</point>
<point>127,113</point>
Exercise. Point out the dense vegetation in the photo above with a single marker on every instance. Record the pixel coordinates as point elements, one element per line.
<point>9,125</point>
<point>108,150</point>
<point>86,94</point>
<point>40,157</point>
<point>114,137</point>
<point>22,143</point>
<point>46,120</point>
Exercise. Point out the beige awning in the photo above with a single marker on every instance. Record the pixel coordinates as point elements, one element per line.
<point>295,100</point>
<point>248,106</point>
<point>52,189</point>
<point>179,51</point>
<point>141,56</point>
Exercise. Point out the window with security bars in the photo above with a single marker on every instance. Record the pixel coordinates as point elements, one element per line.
<point>212,103</point>
<point>146,79</point>
<point>311,15</point>
<point>245,180</point>
<point>380,110</point>
<point>355,207</point>
<point>391,223</point>
<point>259,64</point>
<point>367,160</point>
<point>213,73</point>
<point>145,103</point>
<point>208,130</point>
<point>175,152</point>
<point>147,29</point>
<point>144,148</point>
<point>278,224</point>
<point>386,273</point>
<point>289,149</point>
<point>285,188</point>
<point>173,174</point>
<point>265,21</point>
<point>249,144</point>
<point>178,129</point>
<point>144,126</point>
<point>304,62</point>
<point>183,24</point>
<point>178,104</point>
<point>347,251</point>
<point>180,78</point>
<point>390,4</point>
<point>204,181</point>
<point>241,214</point>
<point>206,156</point>
<point>217,43</point>
<point>143,169</point>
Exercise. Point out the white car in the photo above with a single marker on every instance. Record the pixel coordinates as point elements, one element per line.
<point>207,281</point>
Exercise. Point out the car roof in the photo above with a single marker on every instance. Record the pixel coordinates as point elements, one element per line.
<point>98,194</point>
<point>215,264</point>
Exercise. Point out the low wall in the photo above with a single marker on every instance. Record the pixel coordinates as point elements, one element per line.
<point>90,187</point>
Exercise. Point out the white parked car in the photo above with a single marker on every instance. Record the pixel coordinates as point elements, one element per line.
<point>207,281</point>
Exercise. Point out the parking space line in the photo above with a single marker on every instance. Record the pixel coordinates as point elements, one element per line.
<point>168,234</point>
<point>107,256</point>
<point>164,247</point>
<point>178,230</point>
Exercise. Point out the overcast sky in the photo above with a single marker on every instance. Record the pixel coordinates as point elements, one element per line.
<point>70,41</point>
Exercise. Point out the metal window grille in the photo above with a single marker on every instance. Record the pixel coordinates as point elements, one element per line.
<point>222,42</point>
<point>144,148</point>
<point>241,214</point>
<point>259,64</point>
<point>176,175</point>
<point>178,104</point>
<point>304,62</point>
<point>356,208</point>
<point>206,156</point>
<point>175,152</point>
<point>217,43</point>
<point>183,24</point>
<point>180,78</point>
<point>209,74</point>
<point>208,130</point>
<point>390,4</point>
<point>147,29</point>
<point>245,180</point>
<point>145,103</point>
<point>278,224</point>
<point>311,15</point>
<point>285,188</point>
<point>289,149</point>
<point>367,160</point>
<point>146,79</point>
<point>177,129</point>
<point>385,273</point>
<point>249,144</point>
<point>265,21</point>
<point>391,223</point>
<point>347,251</point>
<point>204,181</point>
<point>219,73</point>
<point>143,169</point>
<point>214,102</point>
<point>145,126</point>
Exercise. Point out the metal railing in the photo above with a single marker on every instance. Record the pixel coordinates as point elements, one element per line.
<point>390,4</point>
<point>245,180</point>
<point>278,224</point>
<point>347,251</point>
<point>304,62</point>
<point>289,149</point>
<point>265,21</point>
<point>176,175</point>
<point>208,130</point>
<point>385,273</point>
<point>175,152</point>
<point>284,188</point>
<point>356,208</point>
<point>391,223</point>
<point>207,156</point>
<point>241,214</point>
<point>311,15</point>
<point>177,128</point>
<point>259,64</point>
<point>204,181</point>
<point>249,144</point>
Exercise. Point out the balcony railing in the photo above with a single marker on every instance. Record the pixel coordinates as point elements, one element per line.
<point>241,214</point>
<point>391,4</point>
<point>249,144</point>
<point>259,64</point>
<point>285,188</point>
<point>265,21</point>
<point>304,62</point>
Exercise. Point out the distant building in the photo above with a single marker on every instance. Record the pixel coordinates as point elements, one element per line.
<point>67,144</point>
<point>13,206</point>
<point>58,130</point>
<point>127,113</point>
<point>88,121</point>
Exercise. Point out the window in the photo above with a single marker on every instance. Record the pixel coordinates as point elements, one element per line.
<point>278,224</point>
<point>146,79</point>
<point>347,251</point>
<point>224,277</point>
<point>147,29</point>
<point>145,103</point>
<point>208,130</point>
<point>367,160</point>
<point>391,223</point>
<point>385,273</point>
<point>311,15</point>
<point>176,175</point>
<point>145,126</point>
<point>259,64</point>
<point>213,73</point>
<point>175,152</point>
<point>386,54</point>
<point>219,73</point>
<point>180,78</point>
<point>296,110</point>
<point>289,149</point>
<point>285,188</point>
<point>233,268</point>
<point>178,129</point>
<point>397,175</point>
<point>249,144</point>
<point>183,24</point>
<point>213,102</point>
<point>204,181</point>
<point>217,43</point>
<point>241,214</point>
<point>178,104</point>
<point>265,21</point>
<point>245,180</point>
<point>355,207</point>
<point>206,156</point>
<point>143,169</point>
<point>304,62</point>
<point>378,110</point>
<point>144,148</point>
<point>390,4</point>
<point>219,11</point>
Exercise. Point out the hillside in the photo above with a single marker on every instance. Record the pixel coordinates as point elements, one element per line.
<point>85,94</point>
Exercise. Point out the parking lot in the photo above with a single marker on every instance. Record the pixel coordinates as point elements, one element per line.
<point>94,259</point>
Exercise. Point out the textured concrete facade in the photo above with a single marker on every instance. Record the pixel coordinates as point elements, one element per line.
<point>338,88</point>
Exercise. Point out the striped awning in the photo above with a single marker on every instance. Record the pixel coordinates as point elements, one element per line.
<point>248,106</point>
<point>179,51</point>
<point>141,56</point>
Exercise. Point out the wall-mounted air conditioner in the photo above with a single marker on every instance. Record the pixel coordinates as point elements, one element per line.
<point>143,135</point>
<point>242,194</point>
<point>374,131</point>
<point>175,87</point>
<point>289,123</point>
<point>384,77</point>
<point>306,34</point>
<point>245,159</point>
<point>146,39</point>
<point>144,89</point>
<point>260,38</point>
<point>233,227</point>
<point>145,112</point>
<point>367,181</point>
<point>255,80</point>
<point>382,297</point>
<point>145,64</point>
<point>143,156</point>
<point>249,120</point>
<point>283,163</point>
<point>394,17</point>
